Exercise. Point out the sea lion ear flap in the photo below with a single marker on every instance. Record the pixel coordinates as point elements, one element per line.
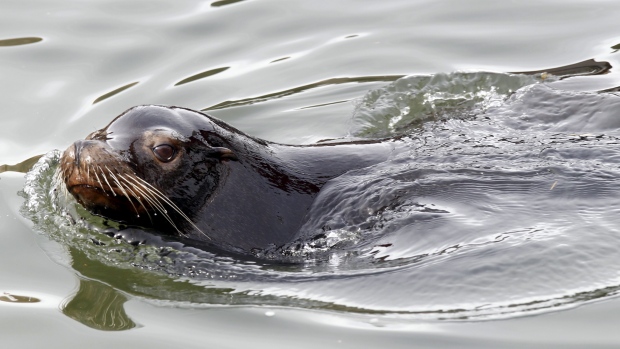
<point>223,153</point>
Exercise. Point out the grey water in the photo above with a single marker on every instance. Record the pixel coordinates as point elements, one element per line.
<point>503,208</point>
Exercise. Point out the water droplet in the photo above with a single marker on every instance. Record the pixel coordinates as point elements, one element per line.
<point>270,313</point>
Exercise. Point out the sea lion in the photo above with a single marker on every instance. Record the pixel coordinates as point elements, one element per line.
<point>183,173</point>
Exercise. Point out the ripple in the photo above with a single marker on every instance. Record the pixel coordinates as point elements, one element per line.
<point>299,89</point>
<point>20,41</point>
<point>202,75</point>
<point>23,166</point>
<point>280,59</point>
<point>13,298</point>
<point>224,3</point>
<point>481,213</point>
<point>114,92</point>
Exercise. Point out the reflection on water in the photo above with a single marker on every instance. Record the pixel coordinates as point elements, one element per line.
<point>98,306</point>
<point>588,67</point>
<point>279,59</point>
<point>299,89</point>
<point>508,208</point>
<point>14,298</point>
<point>504,204</point>
<point>114,92</point>
<point>19,41</point>
<point>201,75</point>
<point>23,166</point>
<point>224,2</point>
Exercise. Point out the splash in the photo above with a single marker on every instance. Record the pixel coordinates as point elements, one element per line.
<point>408,102</point>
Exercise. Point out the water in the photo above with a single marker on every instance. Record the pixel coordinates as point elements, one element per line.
<point>508,210</point>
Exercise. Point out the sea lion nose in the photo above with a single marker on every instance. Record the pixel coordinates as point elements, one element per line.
<point>77,149</point>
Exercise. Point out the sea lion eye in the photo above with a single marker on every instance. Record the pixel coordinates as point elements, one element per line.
<point>164,152</point>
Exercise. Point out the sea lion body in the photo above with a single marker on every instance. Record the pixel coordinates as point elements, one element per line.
<point>230,190</point>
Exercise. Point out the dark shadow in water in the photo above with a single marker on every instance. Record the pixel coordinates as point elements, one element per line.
<point>224,3</point>
<point>112,93</point>
<point>19,41</point>
<point>96,304</point>
<point>201,75</point>
<point>22,167</point>
<point>299,89</point>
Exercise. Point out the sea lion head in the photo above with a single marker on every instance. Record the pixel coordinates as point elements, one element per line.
<point>150,165</point>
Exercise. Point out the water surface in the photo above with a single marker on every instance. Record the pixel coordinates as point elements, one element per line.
<point>508,210</point>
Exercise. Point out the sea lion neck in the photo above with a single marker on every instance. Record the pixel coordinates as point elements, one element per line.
<point>264,199</point>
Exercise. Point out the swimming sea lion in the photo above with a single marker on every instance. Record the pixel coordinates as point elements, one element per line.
<point>182,172</point>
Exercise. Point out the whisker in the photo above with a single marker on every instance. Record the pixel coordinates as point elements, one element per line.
<point>119,186</point>
<point>104,178</point>
<point>156,192</point>
<point>136,196</point>
<point>166,200</point>
<point>155,202</point>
